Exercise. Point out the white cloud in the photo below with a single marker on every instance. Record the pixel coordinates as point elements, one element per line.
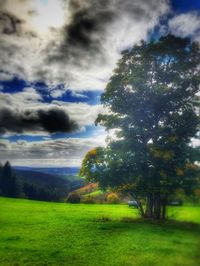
<point>57,93</point>
<point>41,45</point>
<point>35,16</point>
<point>59,152</point>
<point>5,76</point>
<point>79,95</point>
<point>186,25</point>
<point>27,96</point>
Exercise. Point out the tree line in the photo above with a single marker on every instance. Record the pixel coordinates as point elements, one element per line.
<point>14,186</point>
<point>8,181</point>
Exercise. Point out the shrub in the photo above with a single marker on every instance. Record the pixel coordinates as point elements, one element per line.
<point>74,198</point>
<point>88,200</point>
<point>113,198</point>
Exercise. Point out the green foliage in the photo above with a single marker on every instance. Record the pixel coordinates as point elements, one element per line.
<point>152,102</point>
<point>43,233</point>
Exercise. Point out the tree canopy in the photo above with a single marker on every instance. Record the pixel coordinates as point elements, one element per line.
<point>153,107</point>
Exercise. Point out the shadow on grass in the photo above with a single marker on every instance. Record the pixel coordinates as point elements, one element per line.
<point>127,222</point>
<point>168,223</point>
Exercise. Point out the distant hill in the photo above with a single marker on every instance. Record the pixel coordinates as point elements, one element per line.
<point>51,170</point>
<point>39,178</point>
<point>50,177</point>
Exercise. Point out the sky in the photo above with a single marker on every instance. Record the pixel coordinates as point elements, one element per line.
<point>56,58</point>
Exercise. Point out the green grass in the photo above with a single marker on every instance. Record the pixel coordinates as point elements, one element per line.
<point>41,233</point>
<point>94,193</point>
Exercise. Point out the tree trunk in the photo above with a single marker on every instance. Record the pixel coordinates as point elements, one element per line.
<point>164,204</point>
<point>149,206</point>
<point>163,211</point>
<point>157,206</point>
<point>140,207</point>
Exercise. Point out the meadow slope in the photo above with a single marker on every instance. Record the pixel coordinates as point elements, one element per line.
<point>41,233</point>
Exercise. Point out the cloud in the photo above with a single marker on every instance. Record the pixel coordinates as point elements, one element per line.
<point>25,112</point>
<point>91,41</point>
<point>9,24</point>
<point>60,152</point>
<point>79,95</point>
<point>186,25</point>
<point>5,76</point>
<point>51,121</point>
<point>83,113</point>
<point>81,49</point>
<point>57,93</point>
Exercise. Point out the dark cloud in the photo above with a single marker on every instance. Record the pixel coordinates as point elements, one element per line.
<point>12,23</point>
<point>51,120</point>
<point>89,19</point>
<point>82,51</point>
<point>84,36</point>
<point>86,21</point>
<point>9,24</point>
<point>56,120</point>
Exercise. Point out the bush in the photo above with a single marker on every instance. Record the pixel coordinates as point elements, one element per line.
<point>88,200</point>
<point>74,198</point>
<point>113,198</point>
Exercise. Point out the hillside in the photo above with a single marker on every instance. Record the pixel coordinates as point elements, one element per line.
<point>50,170</point>
<point>46,186</point>
<point>43,233</point>
<point>46,179</point>
<point>42,179</point>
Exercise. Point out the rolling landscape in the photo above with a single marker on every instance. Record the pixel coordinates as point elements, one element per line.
<point>51,170</point>
<point>50,177</point>
<point>99,133</point>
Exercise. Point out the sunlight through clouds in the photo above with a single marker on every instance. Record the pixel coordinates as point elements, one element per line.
<point>48,14</point>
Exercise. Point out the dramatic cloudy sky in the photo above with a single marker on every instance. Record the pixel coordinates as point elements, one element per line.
<point>55,60</point>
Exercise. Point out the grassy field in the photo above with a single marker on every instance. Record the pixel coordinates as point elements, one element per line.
<point>41,233</point>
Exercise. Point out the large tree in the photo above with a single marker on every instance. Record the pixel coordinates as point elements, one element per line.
<point>152,102</point>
